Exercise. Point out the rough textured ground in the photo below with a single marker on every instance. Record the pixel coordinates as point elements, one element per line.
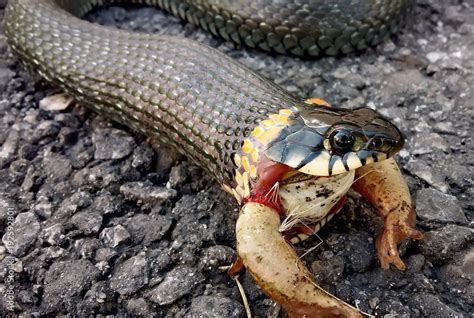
<point>106,226</point>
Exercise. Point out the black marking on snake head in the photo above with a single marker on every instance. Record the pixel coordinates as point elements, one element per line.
<point>331,163</point>
<point>344,161</point>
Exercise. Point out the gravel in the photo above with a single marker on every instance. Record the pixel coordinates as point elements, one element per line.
<point>106,225</point>
<point>178,282</point>
<point>440,246</point>
<point>26,228</point>
<point>435,206</point>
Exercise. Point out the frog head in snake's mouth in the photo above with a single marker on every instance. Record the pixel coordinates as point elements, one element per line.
<point>312,142</point>
<point>323,141</point>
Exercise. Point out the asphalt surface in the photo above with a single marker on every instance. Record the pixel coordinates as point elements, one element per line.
<point>106,225</point>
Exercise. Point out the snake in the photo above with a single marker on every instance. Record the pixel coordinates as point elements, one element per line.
<point>243,129</point>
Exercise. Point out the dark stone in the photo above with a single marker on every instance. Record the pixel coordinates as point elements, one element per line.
<point>215,306</point>
<point>99,177</point>
<point>19,237</point>
<point>112,144</point>
<point>139,307</point>
<point>114,236</point>
<point>105,203</point>
<point>147,193</point>
<point>392,307</point>
<point>97,299</point>
<point>6,75</point>
<point>86,247</point>
<point>8,208</point>
<point>435,206</point>
<point>105,254</point>
<point>9,147</point>
<point>146,229</point>
<point>88,222</point>
<point>28,151</point>
<point>142,156</point>
<point>62,292</point>
<point>57,167</point>
<point>68,120</point>
<point>431,306</point>
<point>81,154</point>
<point>161,259</point>
<point>357,249</point>
<point>71,205</point>
<point>177,283</point>
<point>425,171</point>
<point>458,275</point>
<point>440,246</point>
<point>130,276</point>
<point>215,256</point>
<point>328,270</point>
<point>54,234</point>
<point>177,176</point>
<point>424,143</point>
<point>46,129</point>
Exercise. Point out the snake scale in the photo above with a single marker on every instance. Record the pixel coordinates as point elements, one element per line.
<point>246,131</point>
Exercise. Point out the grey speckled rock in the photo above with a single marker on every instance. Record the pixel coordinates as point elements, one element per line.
<point>25,232</point>
<point>146,193</point>
<point>435,206</point>
<point>9,147</point>
<point>88,222</point>
<point>328,270</point>
<point>432,306</point>
<point>140,307</point>
<point>56,103</point>
<point>459,275</point>
<point>112,144</point>
<point>57,167</point>
<point>440,246</point>
<point>177,283</point>
<point>7,208</point>
<point>46,129</point>
<point>142,156</point>
<point>146,229</point>
<point>54,234</point>
<point>356,248</point>
<point>425,171</point>
<point>64,283</point>
<point>131,275</point>
<point>6,76</point>
<point>99,295</point>
<point>215,256</point>
<point>114,236</point>
<point>177,176</point>
<point>215,307</point>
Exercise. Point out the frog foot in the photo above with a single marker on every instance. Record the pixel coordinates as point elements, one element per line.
<point>399,224</point>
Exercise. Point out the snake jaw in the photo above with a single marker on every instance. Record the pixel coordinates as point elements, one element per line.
<point>309,143</point>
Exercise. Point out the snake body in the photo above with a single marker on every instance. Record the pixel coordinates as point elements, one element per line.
<point>186,94</point>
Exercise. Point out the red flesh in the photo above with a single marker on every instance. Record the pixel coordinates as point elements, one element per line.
<point>269,173</point>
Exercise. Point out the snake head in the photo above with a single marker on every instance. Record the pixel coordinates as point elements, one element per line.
<point>327,141</point>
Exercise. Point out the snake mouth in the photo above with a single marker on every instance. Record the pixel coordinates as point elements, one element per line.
<point>344,141</point>
<point>325,164</point>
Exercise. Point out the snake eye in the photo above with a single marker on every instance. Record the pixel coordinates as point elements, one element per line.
<point>377,142</point>
<point>341,140</point>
